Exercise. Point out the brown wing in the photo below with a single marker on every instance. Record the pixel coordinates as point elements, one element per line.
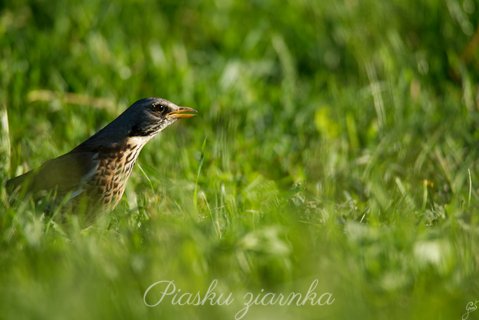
<point>63,174</point>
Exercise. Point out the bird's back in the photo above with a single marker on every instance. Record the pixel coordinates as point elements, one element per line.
<point>62,174</point>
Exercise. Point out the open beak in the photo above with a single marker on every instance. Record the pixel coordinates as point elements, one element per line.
<point>182,113</point>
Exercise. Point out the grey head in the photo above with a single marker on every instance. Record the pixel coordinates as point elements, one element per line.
<point>144,118</point>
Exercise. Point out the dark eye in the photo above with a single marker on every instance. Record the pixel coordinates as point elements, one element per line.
<point>158,107</point>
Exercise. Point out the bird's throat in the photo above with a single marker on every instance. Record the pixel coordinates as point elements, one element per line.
<point>137,141</point>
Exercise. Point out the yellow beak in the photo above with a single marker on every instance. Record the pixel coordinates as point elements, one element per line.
<point>182,113</point>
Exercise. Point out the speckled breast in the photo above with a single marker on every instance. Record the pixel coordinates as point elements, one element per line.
<point>114,168</point>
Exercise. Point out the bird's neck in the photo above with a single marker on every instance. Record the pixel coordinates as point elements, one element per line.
<point>131,147</point>
<point>138,140</point>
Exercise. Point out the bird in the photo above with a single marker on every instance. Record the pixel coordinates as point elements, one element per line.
<point>96,171</point>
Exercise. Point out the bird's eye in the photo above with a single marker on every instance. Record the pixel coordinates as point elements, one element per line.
<point>158,107</point>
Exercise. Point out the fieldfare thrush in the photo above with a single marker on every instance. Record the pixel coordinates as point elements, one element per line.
<point>96,171</point>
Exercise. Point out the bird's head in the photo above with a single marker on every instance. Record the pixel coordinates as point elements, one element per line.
<point>151,115</point>
<point>139,123</point>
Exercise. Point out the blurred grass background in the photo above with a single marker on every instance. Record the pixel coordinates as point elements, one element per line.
<point>336,140</point>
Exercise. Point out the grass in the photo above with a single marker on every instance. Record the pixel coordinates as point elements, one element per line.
<point>336,141</point>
